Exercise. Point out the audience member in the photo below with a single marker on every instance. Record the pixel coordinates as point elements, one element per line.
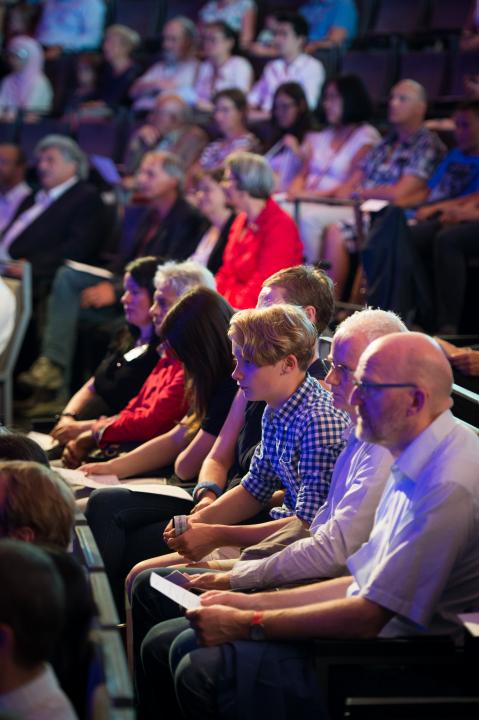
<point>195,328</point>
<point>7,314</point>
<point>470,37</point>
<point>128,363</point>
<point>440,240</point>
<point>32,611</point>
<point>26,87</point>
<point>13,188</point>
<point>64,220</point>
<point>177,70</point>
<point>395,170</point>
<point>291,119</point>
<point>36,504</point>
<point>212,202</point>
<point>111,510</point>
<point>292,65</point>
<point>171,229</point>
<point>230,117</point>
<point>87,70</point>
<point>403,400</point>
<point>70,26</point>
<point>119,70</point>
<point>161,400</point>
<point>331,22</point>
<point>330,156</point>
<point>240,15</point>
<point>263,238</point>
<point>263,46</point>
<point>168,128</point>
<point>221,69</point>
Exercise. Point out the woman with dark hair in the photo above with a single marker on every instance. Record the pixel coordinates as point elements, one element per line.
<point>222,68</point>
<point>211,200</point>
<point>121,374</point>
<point>126,524</point>
<point>291,120</point>
<point>230,110</point>
<point>330,156</point>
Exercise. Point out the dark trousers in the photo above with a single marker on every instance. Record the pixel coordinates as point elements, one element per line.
<point>128,527</point>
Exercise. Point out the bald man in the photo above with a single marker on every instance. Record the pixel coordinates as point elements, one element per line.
<point>417,571</point>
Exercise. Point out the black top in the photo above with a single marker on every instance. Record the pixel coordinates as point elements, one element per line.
<point>118,379</point>
<point>215,260</point>
<point>112,88</point>
<point>250,433</point>
<point>219,406</point>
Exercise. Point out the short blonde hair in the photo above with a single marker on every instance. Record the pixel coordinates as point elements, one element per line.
<point>38,498</point>
<point>267,335</point>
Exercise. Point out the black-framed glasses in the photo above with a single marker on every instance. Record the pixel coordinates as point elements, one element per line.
<point>364,385</point>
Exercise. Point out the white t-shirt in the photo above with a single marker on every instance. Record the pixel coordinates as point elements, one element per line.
<point>305,70</point>
<point>329,168</point>
<point>236,72</point>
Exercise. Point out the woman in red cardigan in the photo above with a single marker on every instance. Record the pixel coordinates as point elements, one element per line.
<point>263,239</point>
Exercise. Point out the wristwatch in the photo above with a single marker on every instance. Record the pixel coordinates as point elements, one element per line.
<point>256,627</point>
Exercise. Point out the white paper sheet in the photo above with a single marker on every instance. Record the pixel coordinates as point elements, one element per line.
<point>148,485</point>
<point>183,597</point>
<point>77,477</point>
<point>45,441</point>
<point>471,622</point>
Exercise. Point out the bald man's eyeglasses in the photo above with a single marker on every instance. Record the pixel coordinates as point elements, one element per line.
<point>364,386</point>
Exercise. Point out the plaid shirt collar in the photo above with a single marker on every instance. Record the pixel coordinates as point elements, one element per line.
<point>288,410</point>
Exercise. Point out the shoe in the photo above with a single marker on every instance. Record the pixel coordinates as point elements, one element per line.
<point>42,374</point>
<point>46,408</point>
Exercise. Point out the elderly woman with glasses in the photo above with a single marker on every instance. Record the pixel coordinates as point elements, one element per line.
<point>263,239</point>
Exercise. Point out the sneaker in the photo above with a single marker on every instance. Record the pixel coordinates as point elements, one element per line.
<point>43,374</point>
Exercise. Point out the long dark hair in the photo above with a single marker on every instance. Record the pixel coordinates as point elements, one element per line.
<point>196,330</point>
<point>357,105</point>
<point>304,121</point>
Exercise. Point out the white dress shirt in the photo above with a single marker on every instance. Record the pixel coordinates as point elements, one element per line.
<point>43,199</point>
<point>183,74</point>
<point>10,201</point>
<point>305,70</point>
<point>422,558</point>
<point>339,528</point>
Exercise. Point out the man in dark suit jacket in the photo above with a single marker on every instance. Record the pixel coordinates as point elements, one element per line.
<point>170,230</point>
<point>66,219</point>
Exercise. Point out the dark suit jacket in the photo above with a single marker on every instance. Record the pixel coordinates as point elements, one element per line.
<point>73,227</point>
<point>177,235</point>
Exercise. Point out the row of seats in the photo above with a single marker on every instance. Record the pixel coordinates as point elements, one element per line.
<point>376,17</point>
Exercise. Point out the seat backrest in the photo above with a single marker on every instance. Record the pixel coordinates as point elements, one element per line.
<point>376,70</point>
<point>449,15</point>
<point>427,68</point>
<point>399,18</point>
<point>31,133</point>
<point>144,16</point>
<point>21,287</point>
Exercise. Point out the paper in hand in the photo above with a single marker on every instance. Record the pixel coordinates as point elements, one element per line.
<point>183,597</point>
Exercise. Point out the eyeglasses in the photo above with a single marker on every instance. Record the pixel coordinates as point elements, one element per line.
<point>365,386</point>
<point>338,367</point>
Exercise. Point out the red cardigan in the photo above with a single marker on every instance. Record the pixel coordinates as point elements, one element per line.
<point>159,405</point>
<point>254,252</point>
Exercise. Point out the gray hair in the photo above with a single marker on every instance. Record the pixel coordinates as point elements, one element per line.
<point>251,173</point>
<point>70,150</point>
<point>172,165</point>
<point>371,324</point>
<point>184,276</point>
<point>128,35</point>
<point>189,27</point>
